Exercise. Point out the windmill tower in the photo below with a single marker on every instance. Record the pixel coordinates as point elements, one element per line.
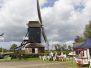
<point>35,30</point>
<point>34,45</point>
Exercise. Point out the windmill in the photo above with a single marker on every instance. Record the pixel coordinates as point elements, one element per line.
<point>34,32</point>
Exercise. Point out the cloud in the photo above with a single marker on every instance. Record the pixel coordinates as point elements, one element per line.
<point>62,20</point>
<point>14,15</point>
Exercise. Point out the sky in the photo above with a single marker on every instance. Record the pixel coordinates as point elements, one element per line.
<point>63,19</point>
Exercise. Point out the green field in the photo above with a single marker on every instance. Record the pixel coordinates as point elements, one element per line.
<point>68,63</point>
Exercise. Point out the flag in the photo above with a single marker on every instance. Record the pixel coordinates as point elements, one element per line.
<point>2,34</point>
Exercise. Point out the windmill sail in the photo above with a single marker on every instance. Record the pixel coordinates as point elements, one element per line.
<point>39,16</point>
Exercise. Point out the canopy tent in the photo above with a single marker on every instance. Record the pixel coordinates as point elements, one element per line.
<point>82,51</point>
<point>85,45</point>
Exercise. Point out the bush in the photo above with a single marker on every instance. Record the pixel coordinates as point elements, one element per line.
<point>1,56</point>
<point>30,55</point>
<point>13,56</point>
<point>7,57</point>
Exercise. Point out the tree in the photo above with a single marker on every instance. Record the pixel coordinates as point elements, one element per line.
<point>13,47</point>
<point>4,50</point>
<point>87,32</point>
<point>57,47</point>
<point>79,39</point>
<point>70,48</point>
<point>64,47</point>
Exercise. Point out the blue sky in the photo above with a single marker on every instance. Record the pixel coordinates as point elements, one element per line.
<point>79,7</point>
<point>49,3</point>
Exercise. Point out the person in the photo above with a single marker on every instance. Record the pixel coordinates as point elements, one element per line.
<point>51,55</point>
<point>44,57</point>
<point>62,56</point>
<point>55,56</point>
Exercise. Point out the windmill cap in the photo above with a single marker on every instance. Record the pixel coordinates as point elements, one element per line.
<point>34,24</point>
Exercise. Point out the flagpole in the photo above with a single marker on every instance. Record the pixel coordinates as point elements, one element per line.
<point>2,40</point>
<point>2,45</point>
<point>2,50</point>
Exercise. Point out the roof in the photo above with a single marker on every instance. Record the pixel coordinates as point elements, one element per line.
<point>34,24</point>
<point>34,45</point>
<point>86,44</point>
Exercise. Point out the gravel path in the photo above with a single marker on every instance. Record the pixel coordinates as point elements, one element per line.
<point>32,64</point>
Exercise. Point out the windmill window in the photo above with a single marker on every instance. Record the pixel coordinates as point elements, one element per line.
<point>33,50</point>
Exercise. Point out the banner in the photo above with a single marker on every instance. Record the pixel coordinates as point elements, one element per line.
<point>1,38</point>
<point>2,34</point>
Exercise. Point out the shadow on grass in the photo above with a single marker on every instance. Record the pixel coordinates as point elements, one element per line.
<point>18,60</point>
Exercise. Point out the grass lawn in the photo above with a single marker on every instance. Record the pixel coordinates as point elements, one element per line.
<point>69,63</point>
